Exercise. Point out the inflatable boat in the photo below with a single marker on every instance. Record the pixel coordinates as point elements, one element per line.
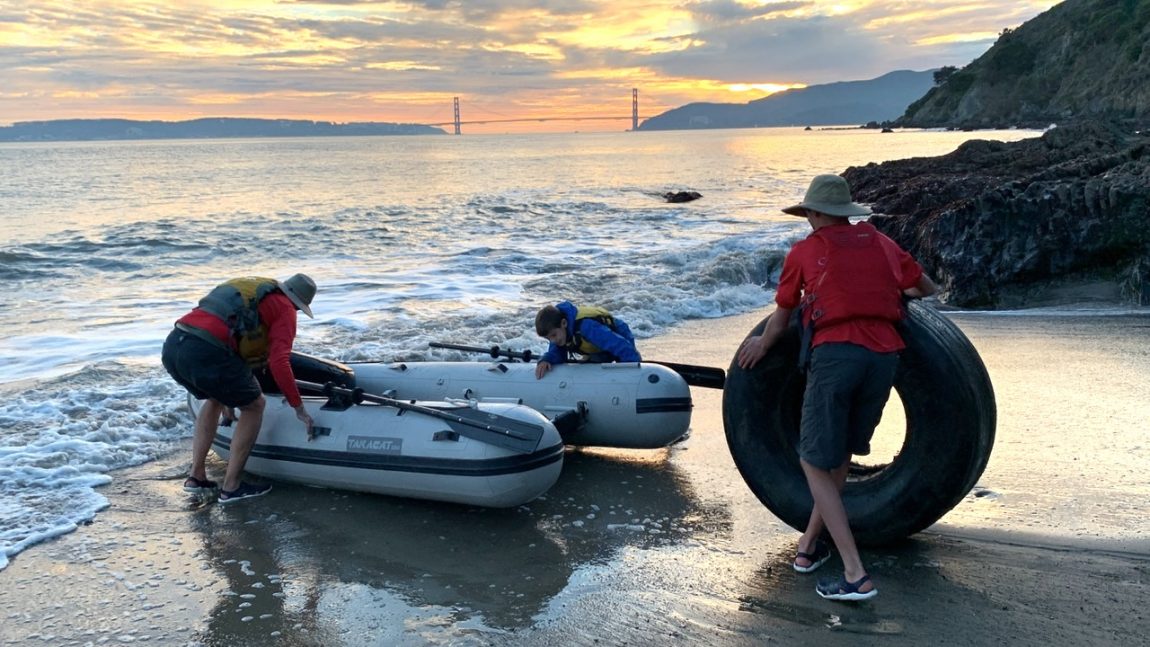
<point>491,454</point>
<point>632,405</point>
<point>635,405</point>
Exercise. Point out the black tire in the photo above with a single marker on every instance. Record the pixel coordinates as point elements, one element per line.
<point>950,417</point>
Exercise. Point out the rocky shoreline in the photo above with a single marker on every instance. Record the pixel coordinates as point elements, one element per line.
<point>1001,224</point>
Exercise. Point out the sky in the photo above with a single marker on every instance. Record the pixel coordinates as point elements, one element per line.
<point>406,62</point>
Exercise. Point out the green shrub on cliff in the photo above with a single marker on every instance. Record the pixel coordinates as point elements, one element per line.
<point>1081,58</point>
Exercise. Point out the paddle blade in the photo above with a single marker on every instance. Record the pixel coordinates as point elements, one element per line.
<point>704,376</point>
<point>511,434</point>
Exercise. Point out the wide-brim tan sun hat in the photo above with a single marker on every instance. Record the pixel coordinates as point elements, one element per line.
<point>828,194</point>
<point>301,290</point>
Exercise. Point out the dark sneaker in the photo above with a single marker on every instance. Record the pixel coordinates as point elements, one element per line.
<point>244,491</point>
<point>196,486</point>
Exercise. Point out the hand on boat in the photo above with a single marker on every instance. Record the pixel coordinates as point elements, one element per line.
<point>305,418</point>
<point>541,369</point>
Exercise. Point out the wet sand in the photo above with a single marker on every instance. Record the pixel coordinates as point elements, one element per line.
<point>646,547</point>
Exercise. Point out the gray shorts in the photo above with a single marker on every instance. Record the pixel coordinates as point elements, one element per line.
<point>847,388</point>
<point>208,370</point>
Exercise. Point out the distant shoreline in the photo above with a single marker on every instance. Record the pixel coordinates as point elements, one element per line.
<point>59,130</point>
<point>109,130</point>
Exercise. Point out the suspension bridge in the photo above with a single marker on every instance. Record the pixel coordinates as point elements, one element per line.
<point>457,122</point>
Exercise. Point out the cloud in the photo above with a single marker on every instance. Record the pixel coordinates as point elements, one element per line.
<point>338,59</point>
<point>724,11</point>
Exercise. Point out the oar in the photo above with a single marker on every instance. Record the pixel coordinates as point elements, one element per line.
<point>494,351</point>
<point>516,435</point>
<point>704,376</point>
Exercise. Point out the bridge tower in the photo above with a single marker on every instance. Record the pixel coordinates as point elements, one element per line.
<point>634,109</point>
<point>456,115</point>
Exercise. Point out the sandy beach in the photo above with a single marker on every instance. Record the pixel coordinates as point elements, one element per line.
<point>646,547</point>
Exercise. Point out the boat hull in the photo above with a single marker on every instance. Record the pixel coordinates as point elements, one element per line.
<point>384,450</point>
<point>626,405</point>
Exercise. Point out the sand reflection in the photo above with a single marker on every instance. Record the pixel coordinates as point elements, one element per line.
<point>311,565</point>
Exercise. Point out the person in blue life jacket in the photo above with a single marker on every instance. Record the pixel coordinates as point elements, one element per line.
<point>589,331</point>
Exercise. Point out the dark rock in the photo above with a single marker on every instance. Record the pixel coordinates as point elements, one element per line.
<point>996,217</point>
<point>682,196</point>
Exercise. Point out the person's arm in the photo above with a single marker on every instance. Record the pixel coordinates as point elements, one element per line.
<point>787,299</point>
<point>281,315</point>
<point>913,282</point>
<point>755,348</point>
<point>553,356</point>
<point>608,340</point>
<point>922,289</point>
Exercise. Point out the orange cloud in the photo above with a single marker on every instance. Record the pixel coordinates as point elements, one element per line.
<point>405,61</point>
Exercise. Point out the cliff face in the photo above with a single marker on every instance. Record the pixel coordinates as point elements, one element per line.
<point>991,217</point>
<point>1080,59</point>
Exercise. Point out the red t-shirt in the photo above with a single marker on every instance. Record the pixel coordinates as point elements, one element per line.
<point>278,312</point>
<point>803,266</point>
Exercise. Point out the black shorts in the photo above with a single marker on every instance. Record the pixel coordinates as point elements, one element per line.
<point>847,388</point>
<point>209,370</point>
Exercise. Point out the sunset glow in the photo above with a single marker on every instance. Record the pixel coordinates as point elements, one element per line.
<point>763,88</point>
<point>351,60</point>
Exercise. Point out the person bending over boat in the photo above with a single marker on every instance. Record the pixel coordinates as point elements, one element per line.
<point>589,331</point>
<point>849,281</point>
<point>240,325</point>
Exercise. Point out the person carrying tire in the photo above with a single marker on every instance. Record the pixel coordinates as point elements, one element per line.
<point>848,281</point>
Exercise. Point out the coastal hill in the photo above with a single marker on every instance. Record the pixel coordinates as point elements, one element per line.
<point>1079,59</point>
<point>1061,218</point>
<point>112,129</point>
<point>847,102</point>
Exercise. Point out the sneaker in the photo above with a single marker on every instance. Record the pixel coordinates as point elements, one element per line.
<point>197,486</point>
<point>244,491</point>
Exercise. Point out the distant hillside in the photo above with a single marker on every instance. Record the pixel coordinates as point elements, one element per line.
<point>847,102</point>
<point>109,129</point>
<point>1080,59</point>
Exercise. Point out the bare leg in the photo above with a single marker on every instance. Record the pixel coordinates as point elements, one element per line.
<point>815,525</point>
<point>829,504</point>
<point>243,438</point>
<point>207,423</point>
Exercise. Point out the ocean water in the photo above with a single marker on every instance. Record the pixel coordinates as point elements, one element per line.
<point>410,239</point>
